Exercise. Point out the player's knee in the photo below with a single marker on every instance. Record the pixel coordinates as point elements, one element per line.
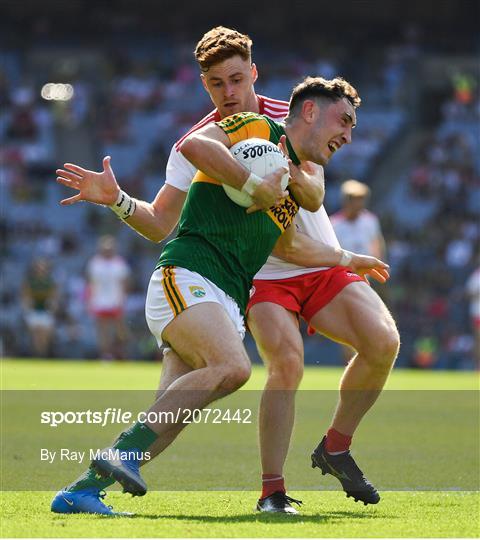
<point>286,370</point>
<point>234,376</point>
<point>385,346</point>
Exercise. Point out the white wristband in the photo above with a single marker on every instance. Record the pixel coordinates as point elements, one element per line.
<point>346,258</point>
<point>251,184</point>
<point>124,206</point>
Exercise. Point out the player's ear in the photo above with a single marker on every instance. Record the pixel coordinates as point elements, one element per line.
<point>204,81</point>
<point>254,73</point>
<point>309,110</point>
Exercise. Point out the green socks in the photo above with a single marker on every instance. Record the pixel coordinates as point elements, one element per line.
<point>137,437</point>
<point>90,479</point>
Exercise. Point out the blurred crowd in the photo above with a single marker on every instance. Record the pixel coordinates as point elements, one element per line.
<point>134,109</point>
<point>434,245</point>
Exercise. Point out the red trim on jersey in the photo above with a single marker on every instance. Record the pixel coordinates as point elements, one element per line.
<point>276,109</point>
<point>275,101</point>
<point>211,117</point>
<point>306,294</point>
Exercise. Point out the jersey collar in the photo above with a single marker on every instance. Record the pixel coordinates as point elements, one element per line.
<point>291,153</point>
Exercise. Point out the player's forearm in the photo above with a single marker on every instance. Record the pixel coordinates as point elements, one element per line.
<point>302,250</point>
<point>214,159</point>
<point>146,222</point>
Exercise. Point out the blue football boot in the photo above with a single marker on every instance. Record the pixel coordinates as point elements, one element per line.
<point>125,471</point>
<point>84,501</point>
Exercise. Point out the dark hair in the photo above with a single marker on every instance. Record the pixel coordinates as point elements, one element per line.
<point>318,87</point>
<point>221,43</point>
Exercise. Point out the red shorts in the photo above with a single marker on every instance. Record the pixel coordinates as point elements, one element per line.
<point>305,294</point>
<point>113,313</point>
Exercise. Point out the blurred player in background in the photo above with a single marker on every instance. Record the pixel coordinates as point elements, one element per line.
<point>473,292</point>
<point>228,75</point>
<point>39,302</point>
<point>357,228</point>
<point>107,276</point>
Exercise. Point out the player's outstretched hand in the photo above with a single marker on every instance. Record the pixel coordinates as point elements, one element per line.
<point>94,187</point>
<point>269,192</point>
<point>365,265</point>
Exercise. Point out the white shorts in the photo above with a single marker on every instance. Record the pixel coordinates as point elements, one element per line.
<point>173,289</point>
<point>39,319</point>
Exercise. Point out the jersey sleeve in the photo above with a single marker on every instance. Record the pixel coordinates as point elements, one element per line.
<point>180,171</point>
<point>239,127</point>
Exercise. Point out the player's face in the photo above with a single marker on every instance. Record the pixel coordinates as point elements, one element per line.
<point>331,129</point>
<point>230,86</point>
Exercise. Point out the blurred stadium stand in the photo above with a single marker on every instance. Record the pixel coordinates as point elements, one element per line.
<point>137,90</point>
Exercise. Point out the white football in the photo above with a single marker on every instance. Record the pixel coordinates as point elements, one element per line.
<point>260,157</point>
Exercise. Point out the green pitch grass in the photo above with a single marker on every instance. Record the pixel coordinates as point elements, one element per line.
<point>230,514</point>
<point>215,513</point>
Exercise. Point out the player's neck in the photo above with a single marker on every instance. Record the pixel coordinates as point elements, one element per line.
<point>294,137</point>
<point>351,215</point>
<point>254,104</point>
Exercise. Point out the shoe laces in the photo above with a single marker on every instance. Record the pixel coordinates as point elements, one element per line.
<point>284,497</point>
<point>353,465</point>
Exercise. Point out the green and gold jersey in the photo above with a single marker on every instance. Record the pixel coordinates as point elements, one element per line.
<point>216,237</point>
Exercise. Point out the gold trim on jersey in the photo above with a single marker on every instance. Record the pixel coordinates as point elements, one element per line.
<point>247,128</point>
<point>202,177</point>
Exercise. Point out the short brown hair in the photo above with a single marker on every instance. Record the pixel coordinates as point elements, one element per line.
<point>221,43</point>
<point>318,87</point>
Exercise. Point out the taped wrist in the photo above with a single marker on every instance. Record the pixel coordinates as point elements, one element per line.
<point>346,258</point>
<point>124,206</point>
<point>251,184</point>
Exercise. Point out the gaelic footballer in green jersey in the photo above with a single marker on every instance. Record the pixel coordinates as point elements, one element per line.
<point>216,238</point>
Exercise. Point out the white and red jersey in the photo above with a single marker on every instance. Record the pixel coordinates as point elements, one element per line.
<point>180,171</point>
<point>106,277</point>
<point>317,226</point>
<point>358,234</point>
<point>473,291</point>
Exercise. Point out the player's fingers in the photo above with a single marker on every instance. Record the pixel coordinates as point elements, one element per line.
<point>253,208</point>
<point>106,163</point>
<point>71,200</point>
<point>282,145</point>
<point>67,174</point>
<point>384,272</point>
<point>281,171</point>
<point>308,166</point>
<point>75,168</point>
<point>377,276</point>
<point>382,264</point>
<point>69,183</point>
